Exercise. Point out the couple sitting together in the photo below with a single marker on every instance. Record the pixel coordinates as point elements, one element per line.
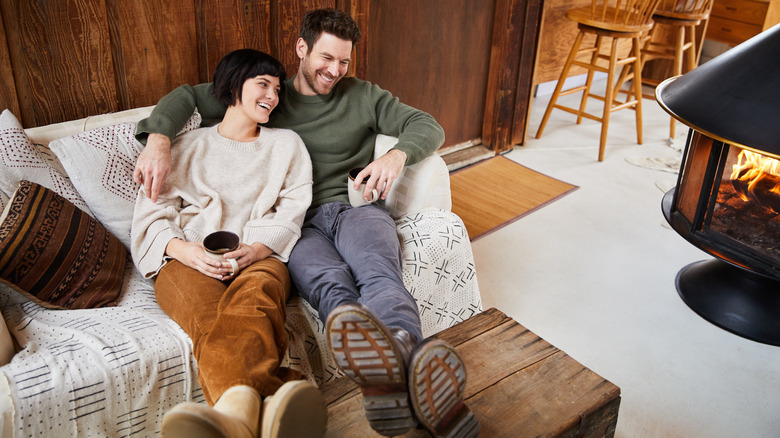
<point>274,172</point>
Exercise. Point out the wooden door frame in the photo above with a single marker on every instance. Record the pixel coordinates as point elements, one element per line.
<point>510,82</point>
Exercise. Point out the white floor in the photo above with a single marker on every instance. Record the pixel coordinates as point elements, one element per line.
<point>594,274</point>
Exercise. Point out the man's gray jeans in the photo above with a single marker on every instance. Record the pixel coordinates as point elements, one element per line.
<point>347,255</point>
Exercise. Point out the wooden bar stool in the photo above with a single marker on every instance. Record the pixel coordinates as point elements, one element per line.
<point>682,17</point>
<point>618,20</point>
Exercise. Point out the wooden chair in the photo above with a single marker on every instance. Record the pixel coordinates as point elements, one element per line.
<point>618,20</point>
<point>681,17</point>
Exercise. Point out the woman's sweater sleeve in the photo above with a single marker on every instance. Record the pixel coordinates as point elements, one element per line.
<point>280,227</point>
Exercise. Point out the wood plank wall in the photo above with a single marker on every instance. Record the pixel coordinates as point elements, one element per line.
<point>442,54</point>
<point>470,64</point>
<point>66,59</point>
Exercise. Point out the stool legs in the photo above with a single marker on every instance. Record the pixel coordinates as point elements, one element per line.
<point>614,82</point>
<point>609,97</point>
<point>559,85</point>
<point>589,80</point>
<point>637,83</point>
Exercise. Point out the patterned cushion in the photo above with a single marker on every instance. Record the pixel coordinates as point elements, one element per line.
<point>56,254</point>
<point>100,163</point>
<point>20,159</point>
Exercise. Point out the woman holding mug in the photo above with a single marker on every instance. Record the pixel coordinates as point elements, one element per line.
<point>256,182</point>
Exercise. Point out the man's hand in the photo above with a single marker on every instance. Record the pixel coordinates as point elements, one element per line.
<point>382,173</point>
<point>154,165</point>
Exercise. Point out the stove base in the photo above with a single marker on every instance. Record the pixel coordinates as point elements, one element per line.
<point>734,299</point>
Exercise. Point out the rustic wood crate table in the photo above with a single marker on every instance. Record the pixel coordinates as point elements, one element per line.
<point>518,385</point>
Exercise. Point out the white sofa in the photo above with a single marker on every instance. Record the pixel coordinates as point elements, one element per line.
<point>114,371</point>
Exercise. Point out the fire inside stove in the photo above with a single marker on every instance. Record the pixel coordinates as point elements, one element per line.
<point>756,178</point>
<point>747,207</point>
<point>728,203</point>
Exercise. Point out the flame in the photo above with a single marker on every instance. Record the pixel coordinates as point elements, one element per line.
<point>756,178</point>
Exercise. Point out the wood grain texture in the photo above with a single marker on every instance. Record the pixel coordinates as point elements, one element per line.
<point>513,49</point>
<point>433,55</point>
<point>518,385</point>
<point>64,49</point>
<point>227,25</point>
<point>69,59</point>
<point>498,191</point>
<point>151,56</point>
<point>8,96</point>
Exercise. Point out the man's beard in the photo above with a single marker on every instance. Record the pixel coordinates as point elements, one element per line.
<point>311,77</point>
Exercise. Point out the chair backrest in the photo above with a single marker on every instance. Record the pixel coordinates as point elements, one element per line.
<point>685,9</point>
<point>616,15</point>
<point>624,12</point>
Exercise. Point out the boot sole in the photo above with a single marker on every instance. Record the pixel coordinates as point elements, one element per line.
<point>437,384</point>
<point>363,348</point>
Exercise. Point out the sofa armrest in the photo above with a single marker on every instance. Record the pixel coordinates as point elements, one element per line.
<point>420,186</point>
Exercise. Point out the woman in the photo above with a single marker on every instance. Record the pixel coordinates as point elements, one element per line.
<point>256,182</point>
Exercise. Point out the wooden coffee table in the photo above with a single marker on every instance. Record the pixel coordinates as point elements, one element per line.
<point>518,386</point>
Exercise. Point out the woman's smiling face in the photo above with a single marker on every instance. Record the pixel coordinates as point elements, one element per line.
<point>259,96</point>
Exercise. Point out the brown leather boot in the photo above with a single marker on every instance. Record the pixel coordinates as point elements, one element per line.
<point>372,357</point>
<point>406,343</point>
<point>235,415</point>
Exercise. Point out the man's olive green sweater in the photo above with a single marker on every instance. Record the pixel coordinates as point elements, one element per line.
<point>338,129</point>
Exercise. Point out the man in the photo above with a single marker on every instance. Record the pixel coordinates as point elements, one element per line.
<point>347,263</point>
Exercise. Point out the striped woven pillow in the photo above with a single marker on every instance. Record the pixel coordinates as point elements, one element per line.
<point>57,255</point>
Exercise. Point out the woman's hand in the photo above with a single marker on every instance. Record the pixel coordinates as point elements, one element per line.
<point>192,255</point>
<point>245,255</point>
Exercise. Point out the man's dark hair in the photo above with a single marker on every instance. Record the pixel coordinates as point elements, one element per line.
<point>332,21</point>
<point>239,65</point>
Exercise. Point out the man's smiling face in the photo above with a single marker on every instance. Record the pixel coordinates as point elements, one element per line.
<point>323,66</point>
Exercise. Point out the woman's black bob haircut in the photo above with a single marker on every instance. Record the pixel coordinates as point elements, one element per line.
<point>239,65</point>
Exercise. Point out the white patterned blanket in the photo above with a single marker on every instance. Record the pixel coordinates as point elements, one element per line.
<point>116,371</point>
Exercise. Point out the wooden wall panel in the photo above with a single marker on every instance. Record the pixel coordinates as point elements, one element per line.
<point>152,57</point>
<point>433,56</point>
<point>62,58</point>
<point>7,82</point>
<point>68,59</point>
<point>227,25</point>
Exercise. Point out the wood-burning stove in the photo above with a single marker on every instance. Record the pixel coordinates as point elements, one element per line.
<point>727,197</point>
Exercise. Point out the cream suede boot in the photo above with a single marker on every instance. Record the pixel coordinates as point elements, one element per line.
<point>235,415</point>
<point>297,410</point>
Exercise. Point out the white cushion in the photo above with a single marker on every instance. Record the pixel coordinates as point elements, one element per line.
<point>100,163</point>
<point>21,159</point>
<point>48,133</point>
<point>422,185</point>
